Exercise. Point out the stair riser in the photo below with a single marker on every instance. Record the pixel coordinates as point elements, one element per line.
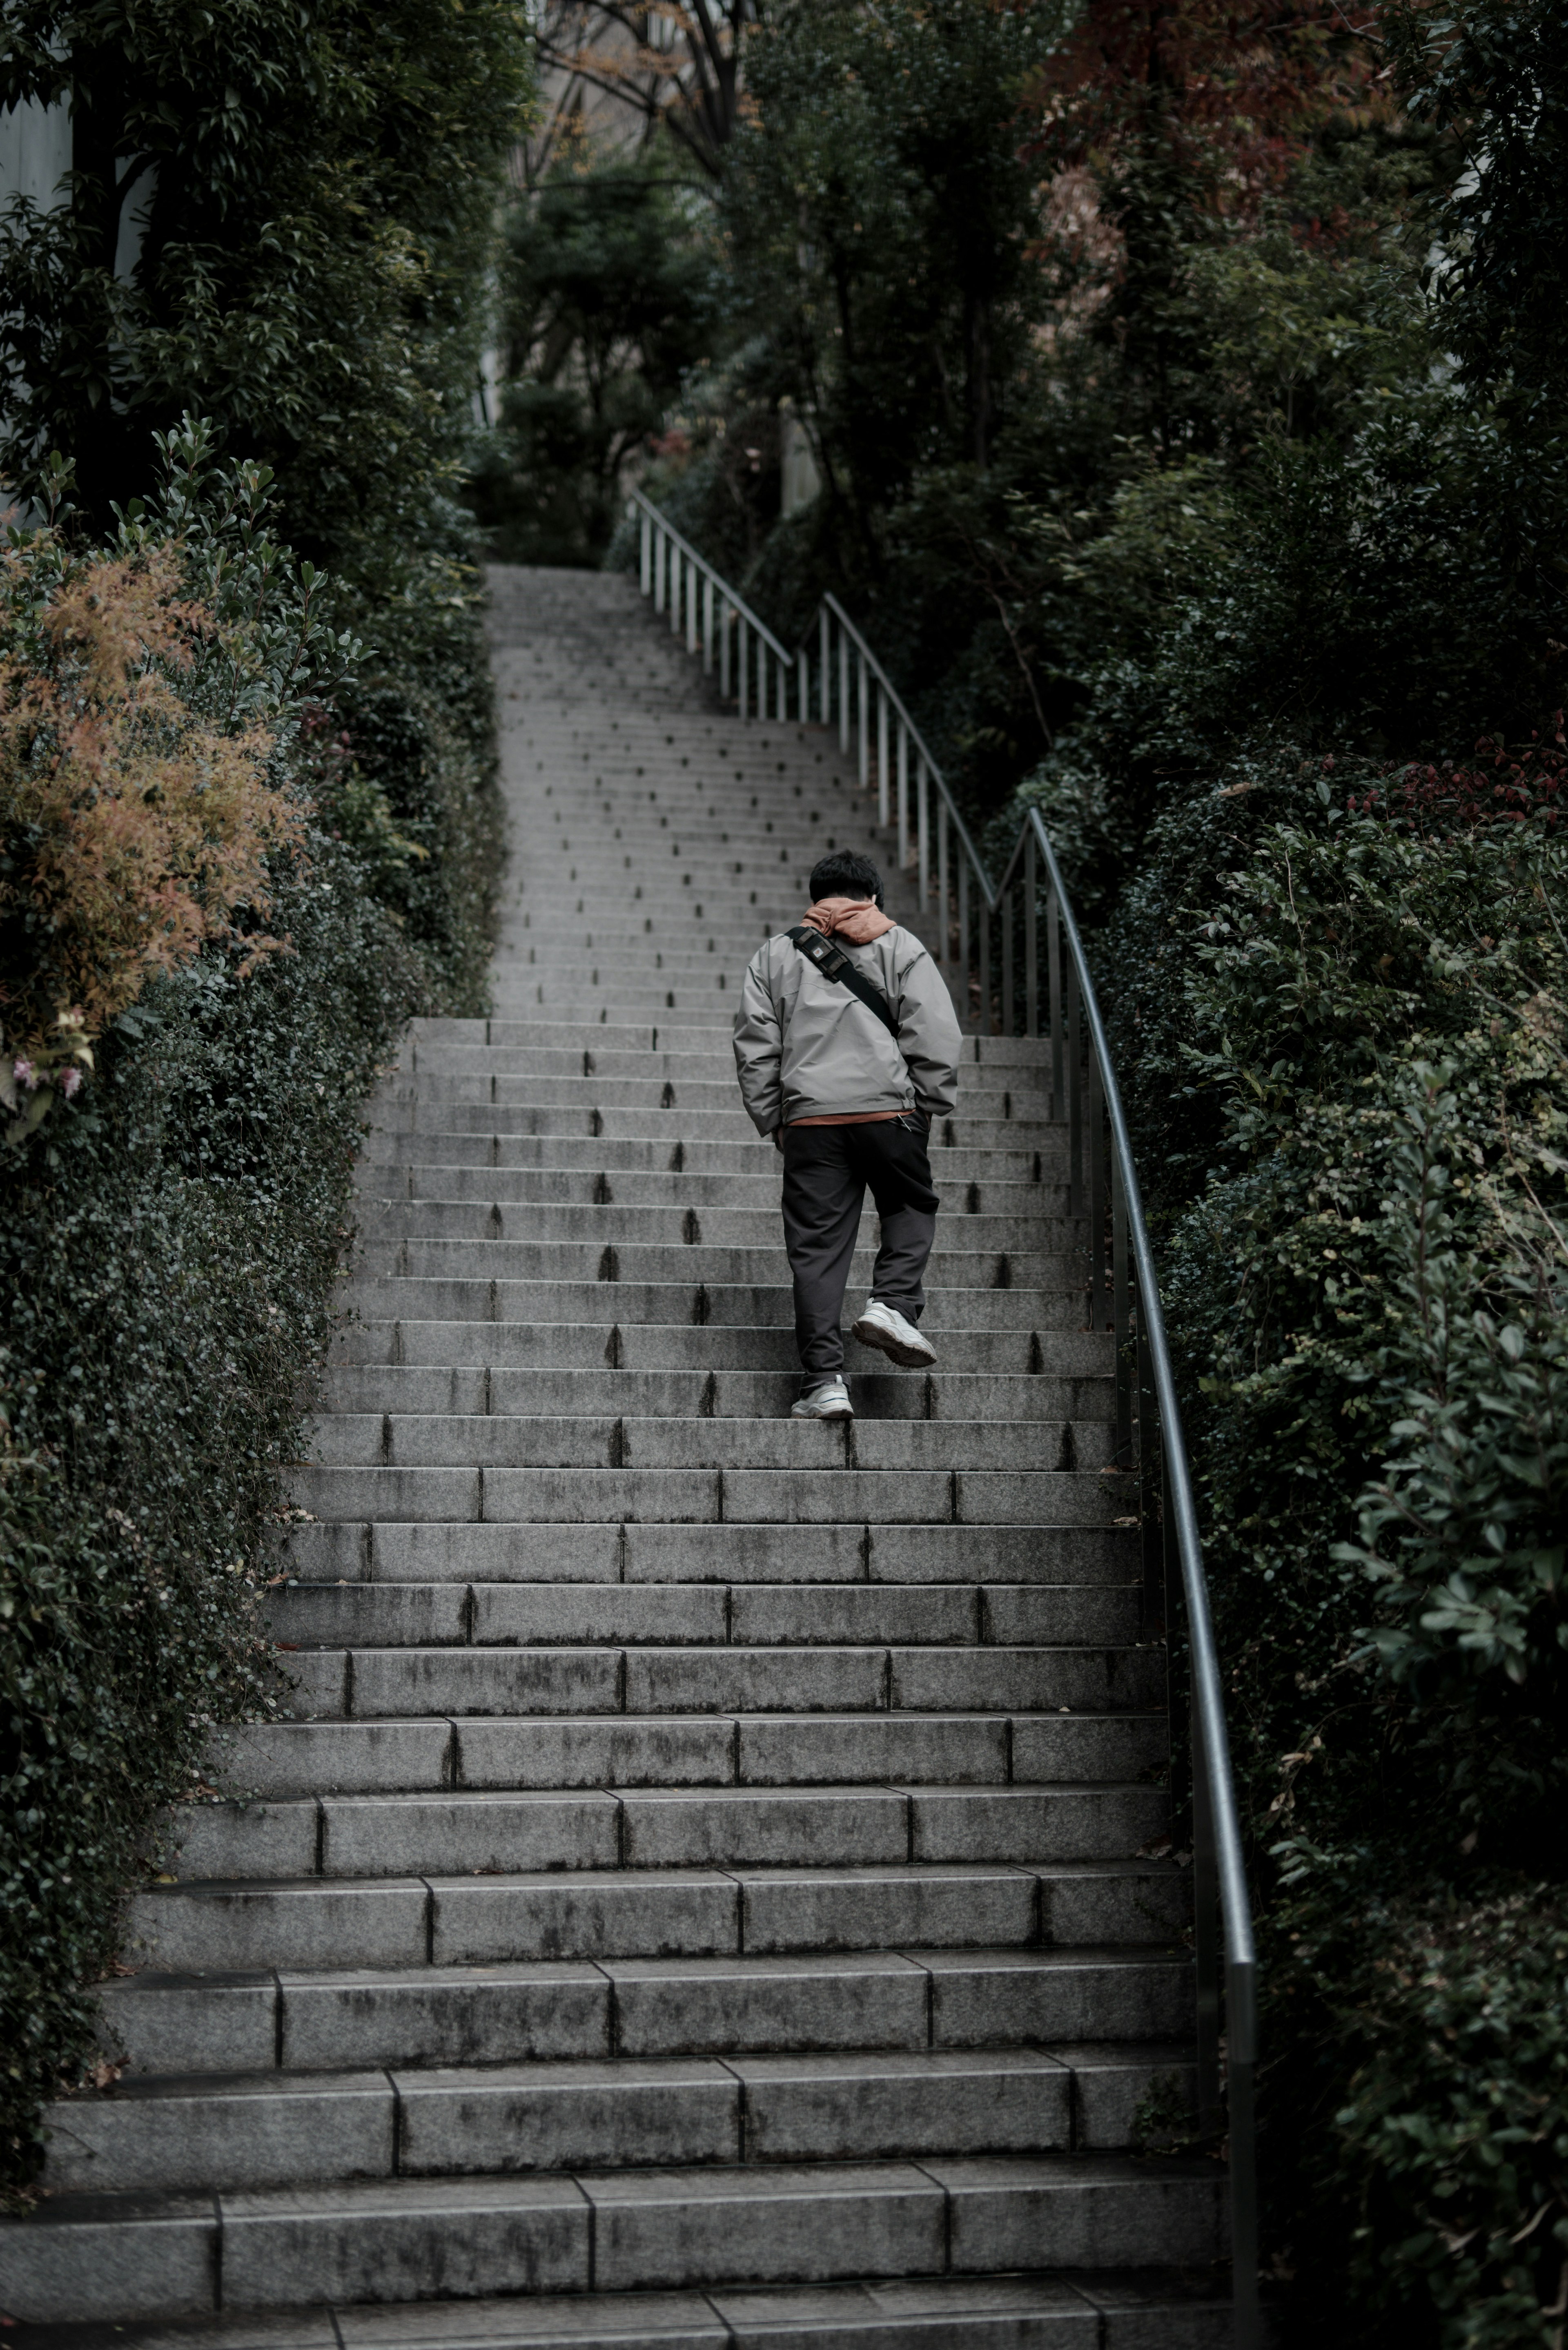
<point>495,1920</point>
<point>706,1496</point>
<point>368,1683</point>
<point>649,2230</point>
<point>545,1157</point>
<point>411,1389</point>
<point>404,1836</point>
<point>697,1303</point>
<point>355,1758</point>
<point>384,1615</point>
<point>504,1440</point>
<point>387,1551</point>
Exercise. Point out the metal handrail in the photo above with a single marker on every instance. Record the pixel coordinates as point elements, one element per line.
<point>668,562</point>
<point>1057,1000</point>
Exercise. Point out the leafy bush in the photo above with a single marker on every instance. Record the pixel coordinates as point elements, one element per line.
<point>169,1239</point>
<point>1341,997</point>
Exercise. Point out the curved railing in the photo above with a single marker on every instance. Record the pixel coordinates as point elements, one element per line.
<point>989,936</point>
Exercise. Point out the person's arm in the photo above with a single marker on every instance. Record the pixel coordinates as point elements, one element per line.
<point>928,1035</point>
<point>759,1050</point>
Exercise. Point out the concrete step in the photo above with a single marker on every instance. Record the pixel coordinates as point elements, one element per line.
<point>517,1914</point>
<point>174,2030</point>
<point>367,1683</point>
<point>745,1614</point>
<point>561,1223</point>
<point>701,1304</point>
<point>389,1551</point>
<point>1068,2310</point>
<point>548,1154</point>
<point>1039,1274</point>
<point>412,1388</point>
<point>654,1055</point>
<point>1084,1357</point>
<point>870,2087</point>
<point>422,1751</point>
<point>601,1114</point>
<point>407,2240</point>
<point>651,1188</point>
<point>599,1440</point>
<point>710,1496</point>
<point>662,1828</point>
<point>1022,1055</point>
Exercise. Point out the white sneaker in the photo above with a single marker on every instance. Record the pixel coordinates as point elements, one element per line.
<point>885,1327</point>
<point>829,1401</point>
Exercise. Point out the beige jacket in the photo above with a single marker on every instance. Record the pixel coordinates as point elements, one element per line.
<point>805,1048</point>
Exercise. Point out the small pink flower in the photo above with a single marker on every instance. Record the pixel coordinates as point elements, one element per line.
<point>70,1082</point>
<point>25,1075</point>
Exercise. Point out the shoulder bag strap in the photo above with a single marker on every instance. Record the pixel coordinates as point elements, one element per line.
<point>833,963</point>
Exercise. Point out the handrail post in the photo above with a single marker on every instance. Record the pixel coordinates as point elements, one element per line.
<point>725,616</point>
<point>1155,1587</point>
<point>902,851</point>
<point>1120,1306</point>
<point>844,690</point>
<point>644,553</point>
<point>985,964</point>
<point>708,627</point>
<point>1243,2152</point>
<point>1004,911</point>
<point>862,733</point>
<point>882,754</point>
<point>1206,1941</point>
<point>693,621</point>
<point>657,568</point>
<point>901,800</point>
<point>824,674</point>
<point>1053,985</point>
<point>803,693</point>
<point>1098,1286</point>
<point>743,661</point>
<point>964,936</point>
<point>923,831</point>
<point>1075,1099</point>
<point>944,931</point>
<point>1031,941</point>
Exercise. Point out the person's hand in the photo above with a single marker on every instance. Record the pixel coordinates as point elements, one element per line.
<point>778,1137</point>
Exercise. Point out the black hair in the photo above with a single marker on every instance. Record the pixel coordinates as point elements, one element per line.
<point>845,875</point>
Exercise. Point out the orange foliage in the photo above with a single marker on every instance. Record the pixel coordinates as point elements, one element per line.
<point>135,830</point>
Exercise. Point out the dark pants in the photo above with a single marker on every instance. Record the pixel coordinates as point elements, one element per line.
<point>828,1171</point>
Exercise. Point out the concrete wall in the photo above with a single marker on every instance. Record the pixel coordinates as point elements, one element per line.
<point>34,152</point>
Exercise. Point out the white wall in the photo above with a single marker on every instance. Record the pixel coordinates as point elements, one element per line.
<point>34,152</point>
<point>800,480</point>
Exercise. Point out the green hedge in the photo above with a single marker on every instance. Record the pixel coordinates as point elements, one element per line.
<point>1341,1003</point>
<point>168,1246</point>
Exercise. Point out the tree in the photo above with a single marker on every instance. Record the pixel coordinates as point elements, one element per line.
<point>676,65</point>
<point>1188,116</point>
<point>316,194</point>
<point>606,304</point>
<point>1496,79</point>
<point>880,211</point>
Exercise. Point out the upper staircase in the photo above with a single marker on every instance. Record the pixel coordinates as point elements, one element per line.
<point>714,1889</point>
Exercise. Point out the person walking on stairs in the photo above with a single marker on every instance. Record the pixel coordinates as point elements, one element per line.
<point>847,1046</point>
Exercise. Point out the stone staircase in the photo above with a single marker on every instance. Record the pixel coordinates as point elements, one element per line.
<point>705,1896</point>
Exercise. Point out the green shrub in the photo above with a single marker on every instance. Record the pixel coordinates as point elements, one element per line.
<point>170,1241</point>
